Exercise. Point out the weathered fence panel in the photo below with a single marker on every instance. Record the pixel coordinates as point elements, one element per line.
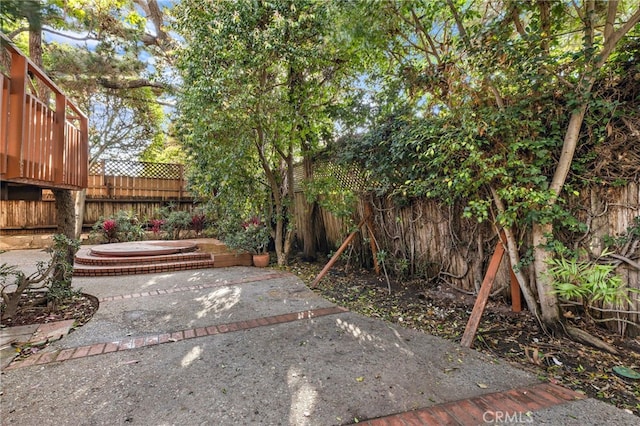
<point>427,239</point>
<point>144,210</point>
<point>35,217</point>
<point>113,185</point>
<point>26,216</point>
<point>117,179</point>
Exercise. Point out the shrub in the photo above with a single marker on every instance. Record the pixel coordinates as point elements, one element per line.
<point>123,226</point>
<point>54,277</point>
<point>175,223</point>
<point>589,282</point>
<point>156,226</point>
<point>198,223</point>
<point>252,236</point>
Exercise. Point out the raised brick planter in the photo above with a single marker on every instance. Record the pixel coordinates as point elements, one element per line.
<point>150,257</point>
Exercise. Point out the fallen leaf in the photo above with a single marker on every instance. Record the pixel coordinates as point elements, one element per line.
<point>482,385</point>
<point>360,379</point>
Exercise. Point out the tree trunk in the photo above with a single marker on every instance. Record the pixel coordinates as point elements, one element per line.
<point>549,308</point>
<point>308,224</point>
<point>80,201</point>
<point>65,212</point>
<point>35,54</point>
<point>514,260</point>
<point>66,224</point>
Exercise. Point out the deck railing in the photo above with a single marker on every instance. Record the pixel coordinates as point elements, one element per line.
<point>42,143</point>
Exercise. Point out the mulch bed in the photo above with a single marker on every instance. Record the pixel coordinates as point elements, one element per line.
<point>35,309</point>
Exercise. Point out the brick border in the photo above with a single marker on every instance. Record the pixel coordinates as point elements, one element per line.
<point>513,405</point>
<point>254,278</point>
<point>176,336</point>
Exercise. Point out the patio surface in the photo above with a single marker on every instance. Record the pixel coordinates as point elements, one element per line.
<point>244,345</point>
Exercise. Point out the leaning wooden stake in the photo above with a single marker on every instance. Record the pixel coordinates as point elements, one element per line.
<point>516,302</point>
<point>483,295</point>
<point>337,254</point>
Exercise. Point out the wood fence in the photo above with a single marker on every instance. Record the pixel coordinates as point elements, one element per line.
<point>137,180</point>
<point>426,239</point>
<point>114,185</point>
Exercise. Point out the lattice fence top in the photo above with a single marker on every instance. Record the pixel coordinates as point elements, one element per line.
<point>137,169</point>
<point>351,177</point>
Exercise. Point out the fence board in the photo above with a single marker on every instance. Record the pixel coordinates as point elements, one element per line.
<point>436,243</point>
<point>26,217</point>
<point>141,187</point>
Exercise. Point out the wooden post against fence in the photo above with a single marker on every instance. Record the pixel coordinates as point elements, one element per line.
<point>337,254</point>
<point>483,294</point>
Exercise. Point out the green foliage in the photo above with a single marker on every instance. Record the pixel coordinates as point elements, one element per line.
<point>251,235</point>
<point>12,11</point>
<point>121,227</point>
<point>174,221</point>
<point>588,281</point>
<point>331,195</point>
<point>470,104</point>
<point>163,150</point>
<point>263,82</point>
<point>458,157</point>
<point>53,276</point>
<point>115,76</point>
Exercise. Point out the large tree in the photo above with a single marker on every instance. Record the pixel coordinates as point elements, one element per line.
<point>111,58</point>
<point>485,102</point>
<point>260,82</point>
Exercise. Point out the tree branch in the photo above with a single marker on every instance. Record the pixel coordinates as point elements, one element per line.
<point>626,260</point>
<point>611,17</point>
<point>614,38</point>
<point>130,84</point>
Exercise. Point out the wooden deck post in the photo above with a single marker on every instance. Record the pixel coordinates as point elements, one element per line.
<point>84,151</point>
<point>17,107</point>
<point>59,149</point>
<point>4,121</point>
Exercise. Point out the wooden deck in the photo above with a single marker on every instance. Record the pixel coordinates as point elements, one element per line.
<point>43,143</point>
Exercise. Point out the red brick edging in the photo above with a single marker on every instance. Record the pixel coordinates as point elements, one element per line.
<point>192,333</point>
<point>512,406</point>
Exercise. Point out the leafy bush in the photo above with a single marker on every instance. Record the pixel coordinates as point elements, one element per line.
<point>123,226</point>
<point>175,223</point>
<point>54,277</point>
<point>252,236</point>
<point>588,281</point>
<point>156,226</point>
<point>198,223</point>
